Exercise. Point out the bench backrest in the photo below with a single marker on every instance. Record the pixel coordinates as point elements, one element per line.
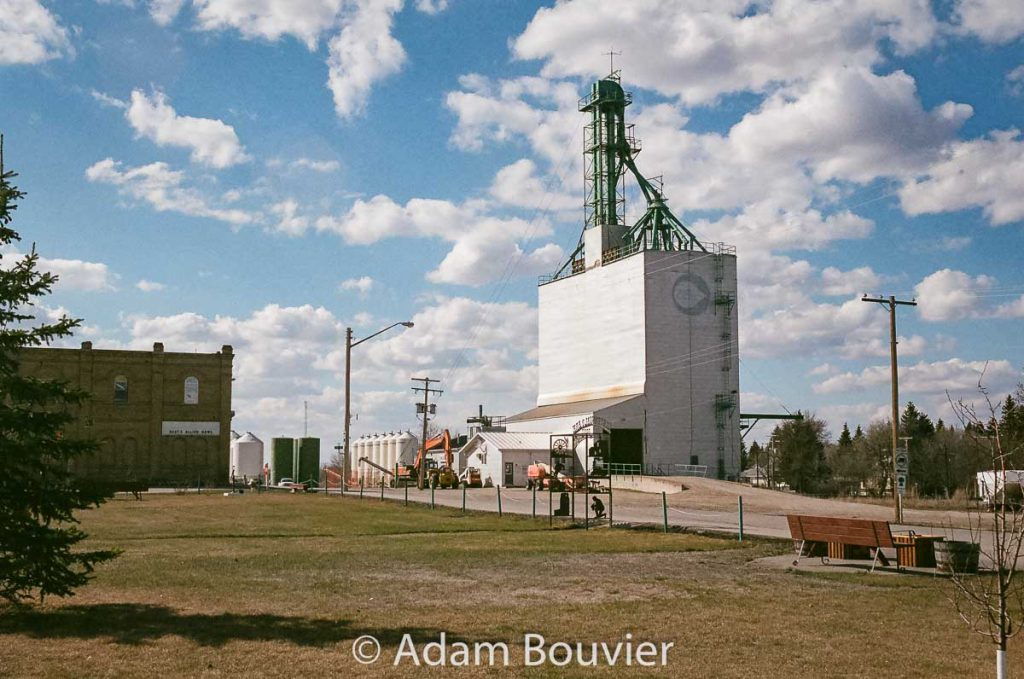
<point>862,532</point>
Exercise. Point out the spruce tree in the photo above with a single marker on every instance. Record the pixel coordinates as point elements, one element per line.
<point>845,438</point>
<point>801,449</point>
<point>40,553</point>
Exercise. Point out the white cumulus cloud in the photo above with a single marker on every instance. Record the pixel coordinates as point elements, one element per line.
<point>363,285</point>
<point>287,355</point>
<point>697,50</point>
<point>363,53</point>
<point>150,286</point>
<point>164,189</point>
<point>164,11</point>
<point>955,375</point>
<point>994,21</point>
<point>518,184</point>
<point>305,20</point>
<point>212,142</point>
<point>324,166</point>
<point>949,295</point>
<point>984,173</point>
<point>849,123</point>
<point>485,247</point>
<point>289,221</point>
<point>857,281</point>
<point>29,33</point>
<point>75,275</point>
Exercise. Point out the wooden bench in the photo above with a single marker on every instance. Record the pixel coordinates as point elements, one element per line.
<point>874,535</point>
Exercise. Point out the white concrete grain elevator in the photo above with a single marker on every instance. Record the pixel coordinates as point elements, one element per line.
<point>638,329</point>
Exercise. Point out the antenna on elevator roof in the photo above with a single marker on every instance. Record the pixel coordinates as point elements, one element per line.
<point>611,59</point>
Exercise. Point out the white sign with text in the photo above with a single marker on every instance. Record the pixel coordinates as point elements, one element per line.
<point>190,428</point>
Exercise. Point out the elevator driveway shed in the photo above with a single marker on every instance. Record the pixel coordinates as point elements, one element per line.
<point>503,457</point>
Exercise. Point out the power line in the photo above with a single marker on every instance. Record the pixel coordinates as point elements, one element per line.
<point>512,263</point>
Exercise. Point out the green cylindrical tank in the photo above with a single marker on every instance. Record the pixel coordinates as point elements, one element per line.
<point>309,459</point>
<point>282,459</point>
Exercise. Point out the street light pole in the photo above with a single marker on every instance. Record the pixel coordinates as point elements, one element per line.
<point>349,344</point>
<point>346,471</point>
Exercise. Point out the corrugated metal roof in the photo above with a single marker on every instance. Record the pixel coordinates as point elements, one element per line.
<point>573,408</point>
<point>515,440</point>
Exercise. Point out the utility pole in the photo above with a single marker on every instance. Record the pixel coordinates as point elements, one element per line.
<point>427,391</point>
<point>892,303</point>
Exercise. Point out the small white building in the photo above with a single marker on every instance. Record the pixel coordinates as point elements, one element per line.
<point>503,457</point>
<point>755,476</point>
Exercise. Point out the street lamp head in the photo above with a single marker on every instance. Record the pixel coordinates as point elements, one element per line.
<point>408,324</point>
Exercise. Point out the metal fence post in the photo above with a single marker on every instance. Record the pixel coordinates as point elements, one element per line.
<point>463,499</point>
<point>664,510</point>
<point>431,497</point>
<point>407,495</point>
<point>382,490</point>
<point>534,502</point>
<point>611,506</point>
<point>741,518</point>
<point>360,488</point>
<point>499,500</point>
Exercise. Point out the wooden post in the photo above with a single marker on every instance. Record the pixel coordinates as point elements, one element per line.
<point>664,510</point>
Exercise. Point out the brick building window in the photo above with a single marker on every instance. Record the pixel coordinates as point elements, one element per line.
<point>191,391</point>
<point>120,389</point>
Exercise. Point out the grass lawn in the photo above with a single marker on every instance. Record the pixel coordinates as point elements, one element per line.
<point>281,585</point>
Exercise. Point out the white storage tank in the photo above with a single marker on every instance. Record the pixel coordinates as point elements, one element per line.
<point>390,448</point>
<point>358,453</point>
<point>406,448</point>
<point>246,457</point>
<point>378,455</point>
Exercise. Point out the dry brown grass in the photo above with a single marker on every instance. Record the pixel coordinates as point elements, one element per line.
<point>281,585</point>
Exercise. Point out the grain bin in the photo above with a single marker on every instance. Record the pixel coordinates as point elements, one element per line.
<point>359,451</point>
<point>406,448</point>
<point>246,456</point>
<point>390,446</point>
<point>375,455</point>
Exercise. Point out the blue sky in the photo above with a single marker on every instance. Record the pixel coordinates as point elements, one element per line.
<point>265,173</point>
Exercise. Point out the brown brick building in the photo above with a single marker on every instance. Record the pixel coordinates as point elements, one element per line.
<point>163,418</point>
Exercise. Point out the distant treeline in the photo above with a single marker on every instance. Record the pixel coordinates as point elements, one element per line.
<point>944,458</point>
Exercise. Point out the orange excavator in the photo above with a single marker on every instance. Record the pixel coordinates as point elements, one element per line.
<point>436,476</point>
